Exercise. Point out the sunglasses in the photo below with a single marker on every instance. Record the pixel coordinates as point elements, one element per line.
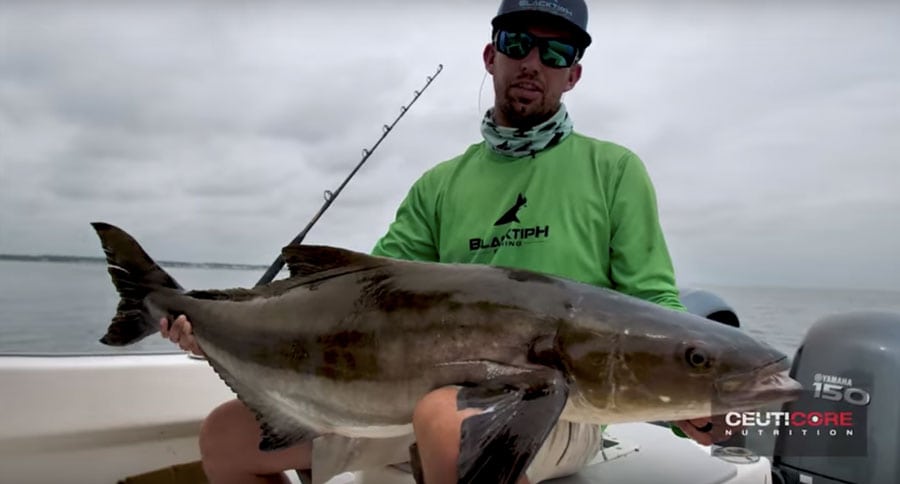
<point>553,53</point>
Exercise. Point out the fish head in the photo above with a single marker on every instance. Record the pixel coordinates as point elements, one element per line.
<point>659,364</point>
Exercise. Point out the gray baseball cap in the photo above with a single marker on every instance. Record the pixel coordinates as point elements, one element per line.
<point>574,13</point>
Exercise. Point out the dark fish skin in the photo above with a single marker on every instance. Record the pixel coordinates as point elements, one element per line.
<point>350,342</point>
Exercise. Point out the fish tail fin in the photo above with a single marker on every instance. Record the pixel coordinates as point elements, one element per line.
<point>135,275</point>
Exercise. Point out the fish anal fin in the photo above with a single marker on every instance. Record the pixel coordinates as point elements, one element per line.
<point>306,260</point>
<point>277,430</point>
<point>519,411</point>
<point>272,438</point>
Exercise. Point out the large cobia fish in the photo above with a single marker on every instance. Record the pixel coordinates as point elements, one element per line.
<point>349,343</point>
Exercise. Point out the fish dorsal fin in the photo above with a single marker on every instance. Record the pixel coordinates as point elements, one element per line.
<point>306,260</point>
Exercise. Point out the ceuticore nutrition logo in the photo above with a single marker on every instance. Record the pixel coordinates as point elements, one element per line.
<point>818,424</point>
<point>829,419</point>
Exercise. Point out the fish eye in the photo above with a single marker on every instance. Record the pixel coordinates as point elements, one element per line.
<point>697,358</point>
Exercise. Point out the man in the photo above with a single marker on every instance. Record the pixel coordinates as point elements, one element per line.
<point>533,194</point>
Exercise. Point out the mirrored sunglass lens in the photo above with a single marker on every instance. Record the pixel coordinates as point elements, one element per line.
<point>558,54</point>
<point>515,45</point>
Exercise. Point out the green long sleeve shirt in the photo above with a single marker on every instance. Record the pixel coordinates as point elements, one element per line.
<point>584,210</point>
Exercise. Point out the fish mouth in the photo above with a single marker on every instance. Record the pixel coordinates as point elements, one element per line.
<point>768,384</point>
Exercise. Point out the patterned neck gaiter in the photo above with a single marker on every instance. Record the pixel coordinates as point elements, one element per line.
<point>518,142</point>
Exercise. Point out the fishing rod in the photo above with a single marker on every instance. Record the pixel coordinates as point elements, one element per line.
<point>277,265</point>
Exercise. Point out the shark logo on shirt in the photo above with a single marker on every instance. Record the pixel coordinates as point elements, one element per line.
<point>510,215</point>
<point>512,236</point>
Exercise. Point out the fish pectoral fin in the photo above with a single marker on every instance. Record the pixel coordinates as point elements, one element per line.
<point>519,411</point>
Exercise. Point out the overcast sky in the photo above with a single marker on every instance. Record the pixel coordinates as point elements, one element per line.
<point>210,130</point>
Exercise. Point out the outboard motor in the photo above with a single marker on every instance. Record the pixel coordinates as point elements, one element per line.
<point>850,365</point>
<point>708,305</point>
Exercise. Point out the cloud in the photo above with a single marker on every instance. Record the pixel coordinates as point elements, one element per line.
<point>211,132</point>
<point>765,130</point>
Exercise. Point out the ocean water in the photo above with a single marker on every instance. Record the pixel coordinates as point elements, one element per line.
<point>64,308</point>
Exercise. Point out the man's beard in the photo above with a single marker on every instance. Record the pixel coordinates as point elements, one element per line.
<point>524,116</point>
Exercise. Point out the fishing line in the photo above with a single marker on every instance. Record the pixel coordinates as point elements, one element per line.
<point>481,92</point>
<point>331,195</point>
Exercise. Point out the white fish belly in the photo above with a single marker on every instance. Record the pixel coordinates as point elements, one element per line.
<point>356,408</point>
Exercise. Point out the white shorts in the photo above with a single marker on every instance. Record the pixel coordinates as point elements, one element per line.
<point>568,448</point>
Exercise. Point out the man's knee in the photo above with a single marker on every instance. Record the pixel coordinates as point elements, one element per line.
<point>435,409</point>
<point>229,447</point>
<point>229,427</point>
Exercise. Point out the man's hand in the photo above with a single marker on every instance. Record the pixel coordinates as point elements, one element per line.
<point>180,333</point>
<point>705,431</point>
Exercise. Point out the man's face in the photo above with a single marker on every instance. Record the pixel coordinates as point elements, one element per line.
<point>527,92</point>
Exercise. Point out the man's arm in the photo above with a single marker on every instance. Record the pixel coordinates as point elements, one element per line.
<point>640,264</point>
